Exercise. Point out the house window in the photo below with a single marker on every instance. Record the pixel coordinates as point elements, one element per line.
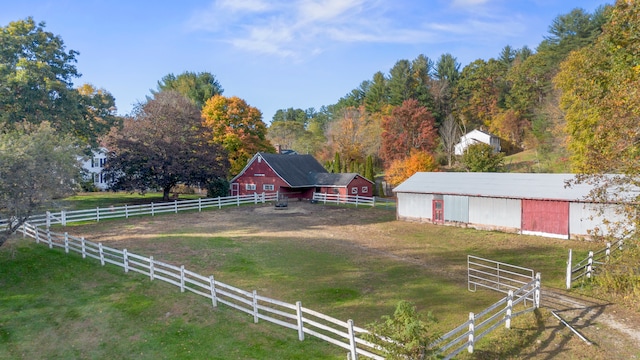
<point>250,186</point>
<point>354,190</point>
<point>102,162</point>
<point>258,174</point>
<point>365,189</point>
<point>267,187</point>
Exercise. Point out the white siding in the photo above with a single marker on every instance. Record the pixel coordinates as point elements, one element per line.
<point>495,212</point>
<point>414,206</point>
<point>456,208</point>
<point>585,217</point>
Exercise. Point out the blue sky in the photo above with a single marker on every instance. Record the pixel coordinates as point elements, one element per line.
<point>277,54</point>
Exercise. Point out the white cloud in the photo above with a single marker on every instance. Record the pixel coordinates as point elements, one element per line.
<point>244,5</point>
<point>468,3</point>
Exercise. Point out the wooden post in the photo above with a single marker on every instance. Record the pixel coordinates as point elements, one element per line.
<point>507,323</point>
<point>182,278</point>
<point>607,252</point>
<point>214,296</point>
<point>255,306</point>
<point>66,242</point>
<point>98,214</point>
<point>37,235</point>
<point>151,268</point>
<point>49,239</point>
<point>84,249</point>
<point>175,205</point>
<point>125,260</point>
<point>48,220</point>
<point>470,341</point>
<point>152,214</point>
<point>63,216</point>
<point>300,322</point>
<point>199,204</point>
<point>589,264</point>
<point>569,270</point>
<point>126,211</point>
<point>101,254</point>
<point>538,291</point>
<point>356,200</point>
<point>352,340</point>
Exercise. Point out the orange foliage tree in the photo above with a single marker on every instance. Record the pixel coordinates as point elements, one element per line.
<point>236,126</point>
<point>401,169</point>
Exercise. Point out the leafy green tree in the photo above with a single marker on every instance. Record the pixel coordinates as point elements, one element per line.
<point>482,158</point>
<point>368,169</point>
<point>238,127</point>
<point>36,73</point>
<point>36,166</point>
<point>199,87</point>
<point>405,335</point>
<point>163,145</point>
<point>337,164</point>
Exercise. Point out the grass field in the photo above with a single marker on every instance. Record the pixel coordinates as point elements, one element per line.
<point>348,263</point>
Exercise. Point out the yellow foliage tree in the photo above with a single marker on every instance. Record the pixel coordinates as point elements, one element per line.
<point>401,169</point>
<point>236,126</point>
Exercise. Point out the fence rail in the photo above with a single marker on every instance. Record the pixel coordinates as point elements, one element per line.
<point>588,266</point>
<point>352,200</point>
<point>496,275</point>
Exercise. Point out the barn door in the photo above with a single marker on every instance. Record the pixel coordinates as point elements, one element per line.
<point>546,218</point>
<point>234,189</point>
<point>438,211</point>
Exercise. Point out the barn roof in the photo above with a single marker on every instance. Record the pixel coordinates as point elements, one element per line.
<point>502,185</point>
<point>296,170</point>
<point>330,179</point>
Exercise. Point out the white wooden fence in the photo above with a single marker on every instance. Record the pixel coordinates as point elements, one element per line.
<point>293,316</point>
<point>467,334</point>
<point>351,200</point>
<point>586,268</point>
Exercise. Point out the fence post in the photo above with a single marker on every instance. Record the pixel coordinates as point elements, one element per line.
<point>470,343</point>
<point>255,198</point>
<point>37,235</point>
<point>620,246</point>
<point>175,205</point>
<point>607,252</point>
<point>66,242</point>
<point>356,200</point>
<point>255,306</point>
<point>151,268</point>
<point>84,248</point>
<point>352,341</point>
<point>199,204</point>
<point>126,211</point>
<point>589,264</point>
<point>98,214</point>
<point>238,200</point>
<point>152,213</point>
<point>214,296</point>
<point>219,203</point>
<point>569,270</point>
<point>101,254</point>
<point>182,278</point>
<point>536,294</point>
<point>49,239</point>
<point>507,323</point>
<point>125,260</point>
<point>300,323</point>
<point>63,216</point>
<point>48,220</point>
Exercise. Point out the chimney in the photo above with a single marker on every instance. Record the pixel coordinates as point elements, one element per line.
<point>278,149</point>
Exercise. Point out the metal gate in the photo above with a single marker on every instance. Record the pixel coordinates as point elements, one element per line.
<point>495,275</point>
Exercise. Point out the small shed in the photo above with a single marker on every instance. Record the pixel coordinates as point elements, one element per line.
<point>475,137</point>
<point>296,176</point>
<point>534,204</point>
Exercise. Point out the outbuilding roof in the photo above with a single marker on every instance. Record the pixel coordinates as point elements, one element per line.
<point>330,179</point>
<point>502,185</point>
<point>296,170</point>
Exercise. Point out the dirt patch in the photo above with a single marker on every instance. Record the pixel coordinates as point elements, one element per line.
<point>610,328</point>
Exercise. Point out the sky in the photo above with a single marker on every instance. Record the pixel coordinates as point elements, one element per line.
<point>279,54</point>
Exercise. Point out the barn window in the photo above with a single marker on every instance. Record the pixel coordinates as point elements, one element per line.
<point>267,187</point>
<point>354,190</point>
<point>335,191</point>
<point>258,174</point>
<point>250,186</point>
<point>365,189</point>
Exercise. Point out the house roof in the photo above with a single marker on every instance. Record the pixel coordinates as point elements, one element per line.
<point>296,170</point>
<point>330,179</point>
<point>502,185</point>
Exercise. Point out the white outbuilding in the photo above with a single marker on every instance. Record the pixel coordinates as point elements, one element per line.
<point>534,204</point>
<point>477,136</point>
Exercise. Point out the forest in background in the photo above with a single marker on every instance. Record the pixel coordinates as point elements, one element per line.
<point>426,104</point>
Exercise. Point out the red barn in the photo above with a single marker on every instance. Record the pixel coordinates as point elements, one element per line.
<point>295,176</point>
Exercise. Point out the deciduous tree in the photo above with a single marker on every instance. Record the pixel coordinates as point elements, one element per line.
<point>36,166</point>
<point>162,145</point>
<point>481,157</point>
<point>238,127</point>
<point>199,87</point>
<point>36,73</point>
<point>401,169</point>
<point>409,127</point>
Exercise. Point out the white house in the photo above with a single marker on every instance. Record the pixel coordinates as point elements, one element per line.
<point>477,136</point>
<point>94,165</point>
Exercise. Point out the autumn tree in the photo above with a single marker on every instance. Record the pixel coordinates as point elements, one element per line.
<point>199,87</point>
<point>450,133</point>
<point>409,127</point>
<point>36,166</point>
<point>162,145</point>
<point>36,73</point>
<point>354,135</point>
<point>600,97</point>
<point>236,126</point>
<point>401,169</point>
